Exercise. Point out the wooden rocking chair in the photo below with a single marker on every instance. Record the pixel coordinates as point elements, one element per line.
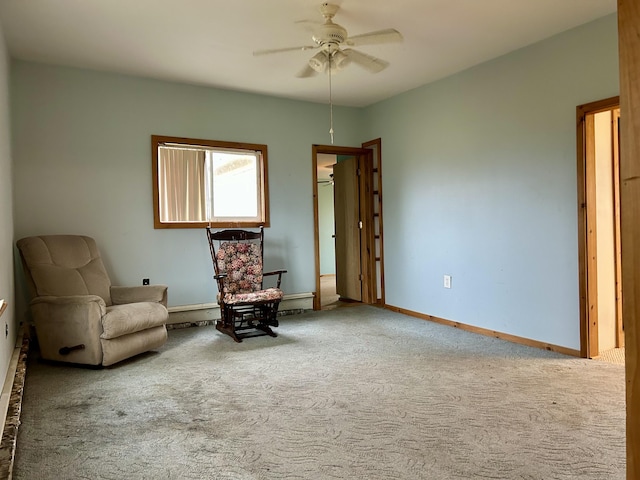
<point>246,308</point>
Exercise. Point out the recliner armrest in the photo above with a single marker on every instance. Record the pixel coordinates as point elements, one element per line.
<point>140,293</point>
<point>69,300</point>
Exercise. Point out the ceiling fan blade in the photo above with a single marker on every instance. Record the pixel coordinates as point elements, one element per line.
<point>306,72</point>
<point>309,25</point>
<point>368,62</point>
<point>389,35</point>
<point>280,50</point>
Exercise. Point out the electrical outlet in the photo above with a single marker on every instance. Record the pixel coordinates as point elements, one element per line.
<point>145,281</point>
<point>447,281</point>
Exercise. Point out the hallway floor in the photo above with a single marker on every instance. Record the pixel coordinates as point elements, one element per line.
<point>329,299</point>
<point>615,355</point>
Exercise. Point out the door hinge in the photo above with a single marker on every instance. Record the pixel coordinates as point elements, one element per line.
<point>360,224</point>
<point>358,172</point>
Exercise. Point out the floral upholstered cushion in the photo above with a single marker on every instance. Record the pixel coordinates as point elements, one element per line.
<point>268,295</point>
<point>242,262</point>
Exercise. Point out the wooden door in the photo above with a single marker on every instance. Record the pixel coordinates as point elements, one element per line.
<point>347,229</point>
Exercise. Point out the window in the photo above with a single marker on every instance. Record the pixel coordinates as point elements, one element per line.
<point>198,183</point>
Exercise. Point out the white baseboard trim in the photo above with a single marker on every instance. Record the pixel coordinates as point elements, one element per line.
<point>211,311</point>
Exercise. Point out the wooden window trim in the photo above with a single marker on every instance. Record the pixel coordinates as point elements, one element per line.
<point>157,140</point>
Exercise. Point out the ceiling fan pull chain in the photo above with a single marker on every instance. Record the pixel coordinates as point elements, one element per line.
<point>330,100</point>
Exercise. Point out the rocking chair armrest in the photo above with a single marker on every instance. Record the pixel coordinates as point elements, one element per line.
<point>275,272</point>
<point>219,280</point>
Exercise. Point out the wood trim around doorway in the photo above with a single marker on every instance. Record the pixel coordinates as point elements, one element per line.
<point>368,283</point>
<point>629,61</point>
<point>587,233</point>
<point>617,226</point>
<point>378,226</point>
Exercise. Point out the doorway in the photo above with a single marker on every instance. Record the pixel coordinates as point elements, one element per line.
<point>601,327</point>
<point>348,228</point>
<point>329,298</point>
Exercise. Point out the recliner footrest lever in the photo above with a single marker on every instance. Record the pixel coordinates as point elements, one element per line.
<point>68,350</point>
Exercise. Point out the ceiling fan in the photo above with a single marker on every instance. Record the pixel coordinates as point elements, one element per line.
<point>326,181</point>
<point>330,37</point>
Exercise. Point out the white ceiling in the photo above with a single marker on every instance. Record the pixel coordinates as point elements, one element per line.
<point>210,42</point>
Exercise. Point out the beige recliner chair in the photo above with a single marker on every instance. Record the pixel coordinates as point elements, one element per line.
<point>79,316</point>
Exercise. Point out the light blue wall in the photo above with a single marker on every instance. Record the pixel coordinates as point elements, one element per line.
<point>6,218</point>
<point>480,183</point>
<point>83,166</point>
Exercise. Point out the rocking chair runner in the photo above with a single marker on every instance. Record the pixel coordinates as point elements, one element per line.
<point>246,308</point>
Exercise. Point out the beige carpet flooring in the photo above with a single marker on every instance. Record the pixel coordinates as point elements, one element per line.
<point>351,393</point>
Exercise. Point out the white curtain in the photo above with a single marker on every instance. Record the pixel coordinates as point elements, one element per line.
<point>181,185</point>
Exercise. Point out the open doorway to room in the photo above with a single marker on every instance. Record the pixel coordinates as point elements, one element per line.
<point>602,332</point>
<point>329,297</point>
<point>348,225</point>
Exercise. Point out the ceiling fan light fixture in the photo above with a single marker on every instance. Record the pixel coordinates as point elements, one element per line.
<point>318,62</point>
<point>339,60</point>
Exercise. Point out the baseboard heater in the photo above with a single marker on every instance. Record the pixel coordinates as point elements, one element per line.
<point>11,405</point>
<point>201,312</point>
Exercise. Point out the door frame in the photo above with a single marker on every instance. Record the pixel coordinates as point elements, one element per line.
<point>378,227</point>
<point>367,248</point>
<point>587,268</point>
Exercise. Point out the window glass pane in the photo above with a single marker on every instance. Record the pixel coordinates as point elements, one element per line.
<point>235,185</point>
